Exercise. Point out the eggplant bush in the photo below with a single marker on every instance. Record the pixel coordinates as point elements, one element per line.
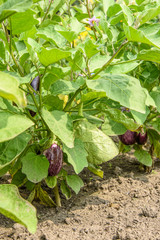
<point>73,74</point>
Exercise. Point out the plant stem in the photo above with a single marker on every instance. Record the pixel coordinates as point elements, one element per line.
<point>89,13</point>
<point>57,196</point>
<point>111,59</point>
<point>9,41</point>
<point>68,105</point>
<point>45,15</point>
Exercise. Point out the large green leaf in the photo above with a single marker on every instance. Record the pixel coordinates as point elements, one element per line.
<point>128,15</point>
<point>140,117</point>
<point>23,21</point>
<point>60,123</point>
<point>99,146</point>
<point>149,55</point>
<point>63,87</point>
<point>12,125</point>
<point>13,206</point>
<point>49,33</point>
<point>113,128</point>
<point>77,156</point>
<point>121,68</point>
<point>97,61</point>
<point>10,7</point>
<point>118,116</point>
<point>13,93</point>
<point>148,14</point>
<point>35,167</point>
<point>50,56</point>
<point>148,34</point>
<point>122,88</point>
<point>12,149</point>
<point>74,182</point>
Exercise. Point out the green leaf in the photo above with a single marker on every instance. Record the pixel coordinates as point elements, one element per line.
<point>113,9</point>
<point>156,125</point>
<point>77,156</point>
<point>56,5</point>
<point>10,7</point>
<point>19,178</point>
<point>50,56</point>
<point>121,68</point>
<point>128,15</point>
<point>60,123</point>
<point>65,190</point>
<point>143,157</point>
<point>149,55</point>
<point>155,94</point>
<point>23,21</point>
<point>35,167</point>
<point>10,150</point>
<point>78,61</point>
<point>121,88</point>
<point>97,171</point>
<point>44,197</point>
<point>52,103</point>
<point>69,35</point>
<point>13,206</point>
<point>51,181</point>
<point>113,128</point>
<point>97,61</point>
<point>4,170</point>
<point>12,125</point>
<point>90,48</point>
<point>148,34</point>
<point>63,87</point>
<point>2,52</point>
<point>13,93</point>
<point>140,118</point>
<point>74,182</point>
<point>118,116</point>
<point>50,34</point>
<point>107,4</point>
<point>76,26</point>
<point>148,14</point>
<point>99,146</point>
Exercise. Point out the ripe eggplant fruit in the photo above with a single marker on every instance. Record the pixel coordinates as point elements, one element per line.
<point>128,138</point>
<point>35,84</point>
<point>54,154</point>
<point>141,138</point>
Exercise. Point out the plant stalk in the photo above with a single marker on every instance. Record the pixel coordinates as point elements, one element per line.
<point>57,196</point>
<point>111,59</point>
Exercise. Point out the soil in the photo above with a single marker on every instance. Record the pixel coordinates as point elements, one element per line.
<point>124,205</point>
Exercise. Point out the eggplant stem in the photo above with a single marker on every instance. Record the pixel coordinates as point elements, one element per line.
<point>57,196</point>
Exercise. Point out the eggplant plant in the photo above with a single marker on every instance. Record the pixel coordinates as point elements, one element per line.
<point>73,74</point>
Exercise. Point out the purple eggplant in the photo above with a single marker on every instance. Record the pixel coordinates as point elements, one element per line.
<point>54,154</point>
<point>35,83</point>
<point>128,138</point>
<point>141,138</point>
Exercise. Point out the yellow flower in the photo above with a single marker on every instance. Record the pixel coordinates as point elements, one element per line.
<point>82,36</point>
<point>64,98</point>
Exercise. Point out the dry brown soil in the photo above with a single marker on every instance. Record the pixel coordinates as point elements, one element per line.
<point>124,205</point>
